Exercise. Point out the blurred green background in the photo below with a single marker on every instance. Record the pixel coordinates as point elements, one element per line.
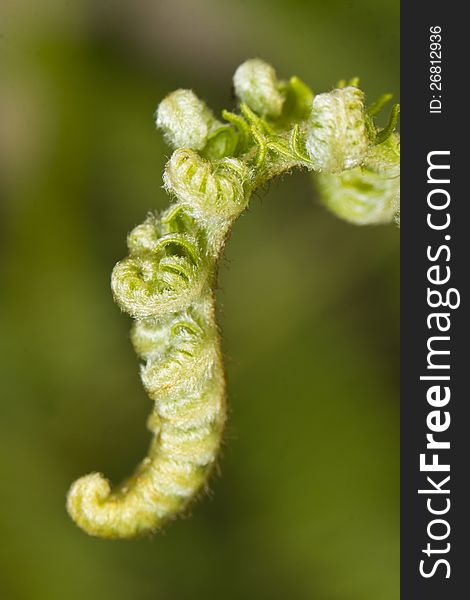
<point>306,502</point>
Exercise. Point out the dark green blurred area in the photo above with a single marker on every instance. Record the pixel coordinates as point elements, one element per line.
<point>306,503</point>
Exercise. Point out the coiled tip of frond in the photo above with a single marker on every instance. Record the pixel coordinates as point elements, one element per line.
<point>85,497</point>
<point>108,514</point>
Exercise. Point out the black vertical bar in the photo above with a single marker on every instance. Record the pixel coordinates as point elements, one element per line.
<point>423,132</point>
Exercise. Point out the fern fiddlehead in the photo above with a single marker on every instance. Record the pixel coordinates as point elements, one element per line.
<point>167,282</point>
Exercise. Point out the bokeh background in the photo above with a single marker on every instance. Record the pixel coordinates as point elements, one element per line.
<point>306,502</point>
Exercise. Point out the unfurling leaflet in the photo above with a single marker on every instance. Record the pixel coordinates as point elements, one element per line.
<point>167,281</point>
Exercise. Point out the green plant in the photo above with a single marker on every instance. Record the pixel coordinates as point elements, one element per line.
<point>167,282</point>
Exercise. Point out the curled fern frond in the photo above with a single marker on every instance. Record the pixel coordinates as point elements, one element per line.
<point>167,282</point>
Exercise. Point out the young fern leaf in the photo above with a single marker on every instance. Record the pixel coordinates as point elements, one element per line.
<point>167,282</point>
